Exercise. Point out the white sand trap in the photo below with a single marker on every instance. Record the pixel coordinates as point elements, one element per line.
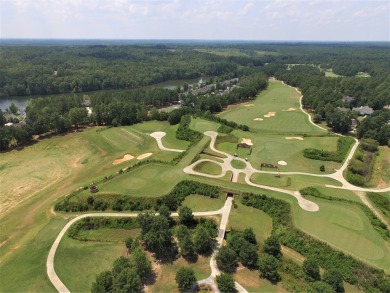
<point>143,156</point>
<point>270,114</point>
<point>248,105</point>
<point>258,119</point>
<point>294,137</point>
<point>125,158</point>
<point>289,109</point>
<point>282,163</point>
<point>247,141</point>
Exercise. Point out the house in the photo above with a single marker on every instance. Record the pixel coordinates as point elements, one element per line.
<point>9,117</point>
<point>363,110</point>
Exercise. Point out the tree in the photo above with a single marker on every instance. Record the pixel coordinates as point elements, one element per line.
<point>322,168</point>
<point>268,268</point>
<point>103,283</point>
<point>317,118</point>
<point>272,246</point>
<point>185,279</point>
<point>226,260</point>
<point>140,262</point>
<point>128,281</point>
<point>335,279</point>
<point>13,109</point>
<point>186,247</point>
<point>250,236</point>
<point>185,216</point>
<point>165,212</point>
<point>129,242</point>
<point>156,233</point>
<point>226,283</point>
<point>311,269</point>
<point>2,118</point>
<point>78,116</point>
<point>203,241</point>
<point>320,287</point>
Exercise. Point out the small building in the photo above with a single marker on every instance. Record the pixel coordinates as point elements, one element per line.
<point>348,99</point>
<point>363,110</point>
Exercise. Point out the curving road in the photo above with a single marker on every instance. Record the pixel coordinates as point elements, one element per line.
<point>158,135</point>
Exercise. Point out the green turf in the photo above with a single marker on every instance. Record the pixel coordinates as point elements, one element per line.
<point>339,193</point>
<point>108,235</point>
<point>273,148</point>
<point>203,125</point>
<point>330,73</point>
<point>292,182</point>
<point>78,262</point>
<point>244,217</point>
<point>202,203</point>
<point>362,74</point>
<point>238,164</point>
<point>276,98</point>
<point>345,227</point>
<point>208,168</point>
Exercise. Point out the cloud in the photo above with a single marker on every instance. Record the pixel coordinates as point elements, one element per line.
<point>248,7</point>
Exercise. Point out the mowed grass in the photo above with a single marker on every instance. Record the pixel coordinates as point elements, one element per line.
<point>203,125</point>
<point>252,282</point>
<point>277,98</point>
<point>208,168</point>
<point>148,180</point>
<point>78,262</point>
<point>244,217</point>
<point>292,182</point>
<point>345,227</point>
<point>200,203</point>
<point>274,148</point>
<point>237,164</point>
<point>88,153</point>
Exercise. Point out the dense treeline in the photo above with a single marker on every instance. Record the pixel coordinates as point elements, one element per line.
<point>352,270</point>
<point>50,70</point>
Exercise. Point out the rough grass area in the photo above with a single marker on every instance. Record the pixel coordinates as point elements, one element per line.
<point>380,176</point>
<point>345,227</point>
<point>382,202</point>
<point>208,168</point>
<point>166,273</point>
<point>244,217</point>
<point>292,182</point>
<point>276,98</point>
<point>202,203</point>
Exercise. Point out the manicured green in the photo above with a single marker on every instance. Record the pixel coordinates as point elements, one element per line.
<point>276,98</point>
<point>292,182</point>
<point>208,168</point>
<point>203,125</point>
<point>202,203</point>
<point>346,227</point>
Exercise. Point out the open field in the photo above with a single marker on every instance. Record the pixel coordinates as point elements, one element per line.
<point>330,73</point>
<point>278,98</point>
<point>345,227</point>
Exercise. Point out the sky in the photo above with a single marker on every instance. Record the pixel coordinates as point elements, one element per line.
<point>304,20</point>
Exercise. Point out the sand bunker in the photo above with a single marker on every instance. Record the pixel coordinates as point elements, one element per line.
<point>248,105</point>
<point>125,158</point>
<point>283,163</point>
<point>258,119</point>
<point>270,114</point>
<point>289,109</point>
<point>247,141</point>
<point>143,156</point>
<point>294,137</point>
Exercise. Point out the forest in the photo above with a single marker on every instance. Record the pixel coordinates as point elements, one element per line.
<point>116,83</point>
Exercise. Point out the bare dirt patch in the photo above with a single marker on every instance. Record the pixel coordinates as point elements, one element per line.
<point>294,137</point>
<point>125,158</point>
<point>143,156</point>
<point>270,114</point>
<point>289,110</point>
<point>258,119</point>
<point>247,141</point>
<point>248,105</point>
